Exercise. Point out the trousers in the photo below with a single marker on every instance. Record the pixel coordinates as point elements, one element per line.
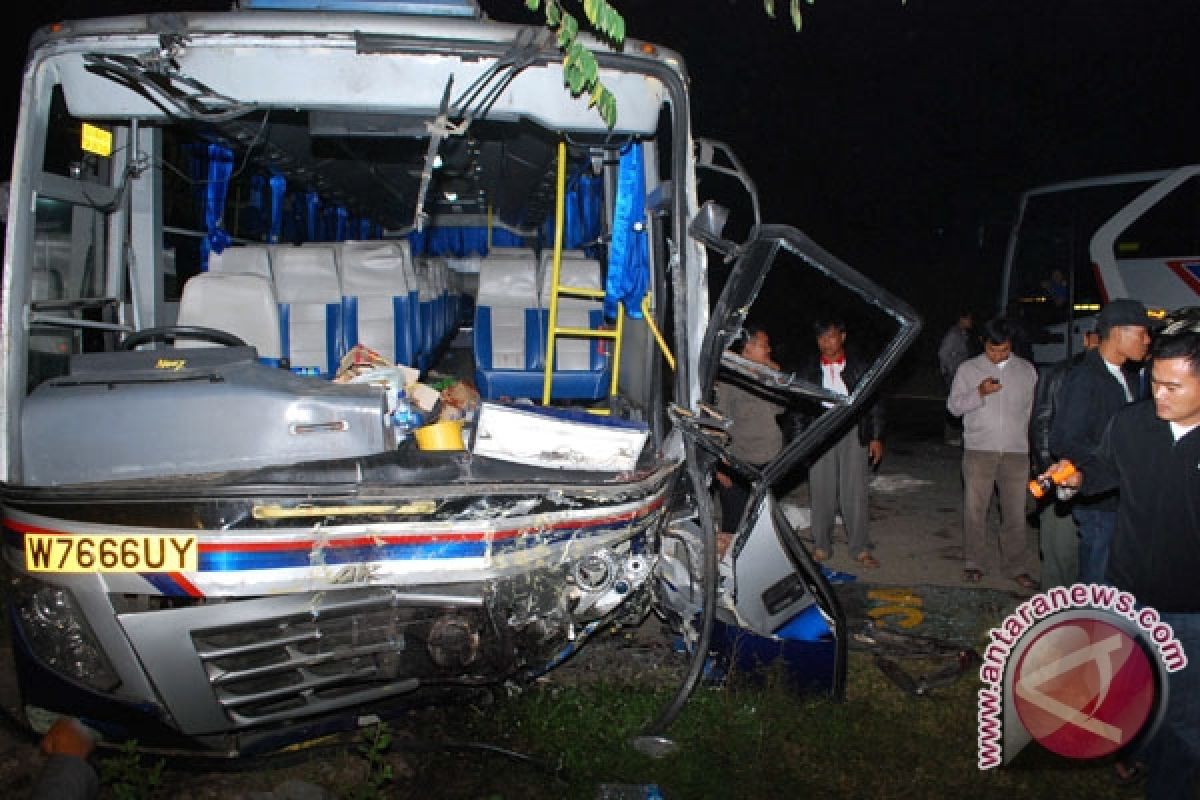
<point>1096,530</point>
<point>837,481</point>
<point>1060,545</point>
<point>1173,755</point>
<point>986,472</point>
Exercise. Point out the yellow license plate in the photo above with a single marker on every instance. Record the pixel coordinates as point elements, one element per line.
<point>123,553</point>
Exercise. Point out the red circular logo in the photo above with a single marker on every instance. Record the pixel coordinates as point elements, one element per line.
<point>1083,688</point>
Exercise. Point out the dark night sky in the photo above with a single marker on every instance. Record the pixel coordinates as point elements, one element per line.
<point>891,131</point>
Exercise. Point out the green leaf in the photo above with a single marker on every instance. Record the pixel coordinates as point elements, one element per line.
<point>533,5</point>
<point>608,107</point>
<point>553,14</point>
<point>591,69</point>
<point>573,77</point>
<point>601,21</point>
<point>797,17</point>
<point>590,10</point>
<point>769,7</point>
<point>571,24</point>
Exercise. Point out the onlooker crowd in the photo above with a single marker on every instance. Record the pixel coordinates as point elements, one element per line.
<point>1124,411</point>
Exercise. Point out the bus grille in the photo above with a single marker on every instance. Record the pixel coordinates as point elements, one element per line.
<point>296,665</point>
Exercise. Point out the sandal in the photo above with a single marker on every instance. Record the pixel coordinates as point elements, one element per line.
<point>819,554</point>
<point>867,560</point>
<point>972,575</point>
<point>1025,582</point>
<point>1125,774</point>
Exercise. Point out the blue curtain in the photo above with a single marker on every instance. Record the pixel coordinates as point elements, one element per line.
<point>341,219</point>
<point>457,242</point>
<point>460,242</point>
<point>629,253</point>
<point>583,210</point>
<point>220,167</point>
<point>416,242</point>
<point>312,202</point>
<point>278,187</point>
<point>591,211</point>
<point>502,237</point>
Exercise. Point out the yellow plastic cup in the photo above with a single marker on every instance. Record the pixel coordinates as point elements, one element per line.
<point>443,435</point>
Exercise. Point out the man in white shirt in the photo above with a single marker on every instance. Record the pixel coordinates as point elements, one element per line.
<point>838,479</point>
<point>993,393</point>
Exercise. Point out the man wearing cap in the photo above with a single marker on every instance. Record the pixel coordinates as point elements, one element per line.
<point>1151,451</point>
<point>1093,391</point>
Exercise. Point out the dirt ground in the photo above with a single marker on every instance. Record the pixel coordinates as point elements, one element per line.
<point>916,509</point>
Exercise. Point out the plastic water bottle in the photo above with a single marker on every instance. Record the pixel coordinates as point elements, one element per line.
<point>1039,486</point>
<point>629,791</point>
<point>405,418</point>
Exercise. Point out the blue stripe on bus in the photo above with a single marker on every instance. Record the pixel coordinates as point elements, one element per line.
<point>235,561</point>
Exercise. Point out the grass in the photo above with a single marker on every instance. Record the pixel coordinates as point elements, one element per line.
<point>749,742</point>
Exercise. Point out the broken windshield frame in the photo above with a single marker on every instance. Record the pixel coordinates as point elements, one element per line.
<point>763,249</point>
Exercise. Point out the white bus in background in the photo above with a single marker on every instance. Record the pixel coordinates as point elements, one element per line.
<point>1132,235</point>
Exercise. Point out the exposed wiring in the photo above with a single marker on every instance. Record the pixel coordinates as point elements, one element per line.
<point>175,94</point>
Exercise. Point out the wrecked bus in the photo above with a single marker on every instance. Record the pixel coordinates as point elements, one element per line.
<point>215,544</point>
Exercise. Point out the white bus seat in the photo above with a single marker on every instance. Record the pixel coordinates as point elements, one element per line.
<point>507,336</point>
<point>249,259</point>
<point>237,303</point>
<point>376,307</point>
<point>580,364</point>
<point>511,253</point>
<point>310,307</point>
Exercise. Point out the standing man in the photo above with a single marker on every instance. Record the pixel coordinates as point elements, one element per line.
<point>954,349</point>
<point>993,393</point>
<point>837,481</point>
<point>756,437</point>
<point>1091,394</point>
<point>1151,453</point>
<point>1056,527</point>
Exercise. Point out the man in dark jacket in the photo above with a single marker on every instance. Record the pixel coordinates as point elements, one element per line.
<point>837,481</point>
<point>1091,394</point>
<point>1151,452</point>
<point>1058,535</point>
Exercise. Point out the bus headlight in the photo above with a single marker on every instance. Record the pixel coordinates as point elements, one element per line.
<point>58,634</point>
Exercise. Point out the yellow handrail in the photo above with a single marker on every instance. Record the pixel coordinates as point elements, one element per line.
<point>648,315</point>
<point>556,264</point>
<point>553,331</point>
